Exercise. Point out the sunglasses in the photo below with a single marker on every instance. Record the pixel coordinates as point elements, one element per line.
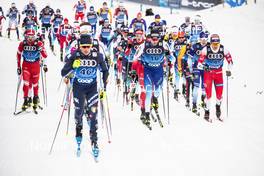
<point>30,37</point>
<point>181,37</point>
<point>88,46</point>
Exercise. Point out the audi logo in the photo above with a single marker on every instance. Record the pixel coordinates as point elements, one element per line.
<point>215,56</point>
<point>178,47</point>
<point>154,51</point>
<point>106,30</point>
<point>87,81</point>
<point>30,48</point>
<point>198,52</point>
<point>88,63</point>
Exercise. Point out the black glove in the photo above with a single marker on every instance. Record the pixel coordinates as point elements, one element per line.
<point>228,73</point>
<point>45,68</point>
<point>19,71</point>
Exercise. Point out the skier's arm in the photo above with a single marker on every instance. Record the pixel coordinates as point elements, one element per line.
<point>202,59</point>
<point>104,69</point>
<point>19,52</point>
<point>180,56</point>
<point>145,25</point>
<point>228,58</point>
<point>132,23</point>
<point>42,49</point>
<point>68,65</point>
<point>126,15</point>
<point>139,51</point>
<point>110,15</point>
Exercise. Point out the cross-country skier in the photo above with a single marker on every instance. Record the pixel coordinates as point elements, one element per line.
<point>121,15</point>
<point>56,22</point>
<point>2,16</point>
<point>138,23</point>
<point>151,53</point>
<point>30,22</point>
<point>198,74</point>
<point>212,60</point>
<point>64,30</point>
<point>33,52</point>
<point>45,17</point>
<point>92,18</point>
<point>196,28</point>
<point>158,25</point>
<point>14,19</point>
<point>104,13</point>
<point>106,32</point>
<point>30,7</point>
<point>85,63</point>
<point>80,8</point>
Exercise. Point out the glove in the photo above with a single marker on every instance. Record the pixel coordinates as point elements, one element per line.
<point>66,80</point>
<point>180,73</point>
<point>45,68</point>
<point>76,63</point>
<point>18,71</point>
<point>228,73</point>
<point>102,95</point>
<point>200,66</point>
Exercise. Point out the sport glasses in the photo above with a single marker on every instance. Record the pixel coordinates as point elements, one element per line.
<point>86,46</point>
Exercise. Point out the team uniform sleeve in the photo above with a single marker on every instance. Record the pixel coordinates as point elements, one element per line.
<point>19,52</point>
<point>229,59</point>
<point>104,69</point>
<point>110,15</point>
<point>202,56</point>
<point>43,51</point>
<point>67,68</point>
<point>139,51</point>
<point>180,56</point>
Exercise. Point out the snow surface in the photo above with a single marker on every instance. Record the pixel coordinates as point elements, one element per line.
<point>188,146</point>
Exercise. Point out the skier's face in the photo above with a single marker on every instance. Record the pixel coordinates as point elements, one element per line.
<point>203,40</point>
<point>86,49</point>
<point>154,41</point>
<point>215,45</point>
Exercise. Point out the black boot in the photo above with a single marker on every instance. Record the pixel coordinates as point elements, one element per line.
<point>35,102</point>
<point>203,101</point>
<point>187,103</point>
<point>207,115</point>
<point>61,55</point>
<point>137,99</point>
<point>184,90</point>
<point>147,120</point>
<point>8,33</point>
<point>142,115</point>
<point>52,48</point>
<point>194,108</point>
<point>25,104</point>
<point>29,102</point>
<point>0,34</point>
<point>155,103</point>
<point>17,31</point>
<point>176,94</point>
<point>218,112</point>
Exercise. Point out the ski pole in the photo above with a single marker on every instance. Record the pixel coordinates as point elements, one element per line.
<point>60,84</point>
<point>106,123</point>
<point>18,87</point>
<point>43,89</point>
<point>46,92</point>
<point>58,126</point>
<point>69,111</point>
<point>108,112</point>
<point>163,103</point>
<point>226,96</point>
<point>168,100</point>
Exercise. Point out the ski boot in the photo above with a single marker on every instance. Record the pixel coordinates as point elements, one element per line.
<point>187,105</point>
<point>176,94</point>
<point>194,108</point>
<point>142,116</point>
<point>35,102</point>
<point>61,55</point>
<point>137,99</point>
<point>207,116</point>
<point>155,103</point>
<point>203,104</point>
<point>218,112</point>
<point>1,34</point>
<point>147,120</point>
<point>78,141</point>
<point>184,90</point>
<point>30,102</point>
<point>25,104</point>
<point>95,149</point>
<point>52,48</point>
